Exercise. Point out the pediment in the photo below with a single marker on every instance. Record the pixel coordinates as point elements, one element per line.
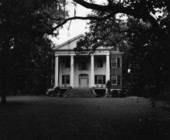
<point>70,44</point>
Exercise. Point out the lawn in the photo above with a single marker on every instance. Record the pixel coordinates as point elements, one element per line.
<point>52,118</point>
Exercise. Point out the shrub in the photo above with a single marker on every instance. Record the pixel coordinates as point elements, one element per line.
<point>56,90</point>
<point>100,92</point>
<point>114,93</point>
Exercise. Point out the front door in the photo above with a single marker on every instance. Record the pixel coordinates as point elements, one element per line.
<point>83,82</point>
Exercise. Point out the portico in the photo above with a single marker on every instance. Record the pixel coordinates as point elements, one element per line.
<point>82,70</point>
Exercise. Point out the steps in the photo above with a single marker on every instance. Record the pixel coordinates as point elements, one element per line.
<point>80,93</point>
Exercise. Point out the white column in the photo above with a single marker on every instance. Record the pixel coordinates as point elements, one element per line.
<point>72,71</point>
<point>92,70</point>
<point>107,68</point>
<point>56,71</point>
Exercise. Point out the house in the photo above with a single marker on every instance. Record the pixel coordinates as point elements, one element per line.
<point>87,71</point>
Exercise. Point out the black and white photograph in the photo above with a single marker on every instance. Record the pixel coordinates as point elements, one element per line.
<point>84,69</point>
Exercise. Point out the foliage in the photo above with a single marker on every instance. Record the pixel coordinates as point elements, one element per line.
<point>144,41</point>
<point>114,93</point>
<point>29,67</point>
<point>24,45</point>
<point>109,32</point>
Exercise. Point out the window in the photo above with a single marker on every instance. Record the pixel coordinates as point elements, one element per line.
<point>115,79</point>
<point>66,79</point>
<point>115,62</point>
<point>100,79</point>
<point>99,63</point>
<point>67,63</point>
<point>83,65</point>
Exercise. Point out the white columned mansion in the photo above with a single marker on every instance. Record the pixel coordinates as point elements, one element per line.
<point>86,71</point>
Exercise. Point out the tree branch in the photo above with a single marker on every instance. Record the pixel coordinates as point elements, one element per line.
<point>110,8</point>
<point>77,17</point>
<point>92,5</point>
<point>118,8</point>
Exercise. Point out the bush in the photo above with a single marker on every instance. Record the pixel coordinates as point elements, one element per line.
<point>123,93</point>
<point>114,93</point>
<point>100,92</point>
<point>51,92</point>
<point>61,92</point>
<point>56,90</point>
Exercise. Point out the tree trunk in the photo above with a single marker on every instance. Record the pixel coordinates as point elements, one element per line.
<point>5,52</point>
<point>3,98</point>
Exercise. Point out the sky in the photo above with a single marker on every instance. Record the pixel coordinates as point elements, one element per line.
<point>76,27</point>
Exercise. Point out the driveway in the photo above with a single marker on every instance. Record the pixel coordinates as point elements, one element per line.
<point>51,118</point>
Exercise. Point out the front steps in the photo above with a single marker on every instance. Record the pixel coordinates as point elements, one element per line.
<point>80,93</point>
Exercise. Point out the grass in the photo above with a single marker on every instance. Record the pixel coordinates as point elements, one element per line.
<point>165,96</point>
<point>51,118</point>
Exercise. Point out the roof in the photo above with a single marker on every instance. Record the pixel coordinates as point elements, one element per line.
<point>72,43</point>
<point>69,41</point>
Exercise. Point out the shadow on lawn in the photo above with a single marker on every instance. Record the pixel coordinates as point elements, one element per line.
<point>12,104</point>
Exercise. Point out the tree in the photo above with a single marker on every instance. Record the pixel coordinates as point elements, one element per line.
<point>25,23</point>
<point>29,68</point>
<point>148,34</point>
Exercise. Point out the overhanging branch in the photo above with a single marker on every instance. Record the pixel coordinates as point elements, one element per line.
<point>118,8</point>
<point>110,8</point>
<point>81,18</point>
<point>92,5</point>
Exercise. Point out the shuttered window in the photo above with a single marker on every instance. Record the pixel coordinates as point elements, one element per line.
<point>115,62</point>
<point>100,79</point>
<point>115,79</point>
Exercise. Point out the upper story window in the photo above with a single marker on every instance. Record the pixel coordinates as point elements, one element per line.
<point>99,63</point>
<point>83,65</point>
<point>67,63</point>
<point>115,62</point>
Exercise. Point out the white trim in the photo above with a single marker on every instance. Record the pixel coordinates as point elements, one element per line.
<point>107,68</point>
<point>72,71</point>
<point>56,71</point>
<point>92,71</point>
<point>72,52</point>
